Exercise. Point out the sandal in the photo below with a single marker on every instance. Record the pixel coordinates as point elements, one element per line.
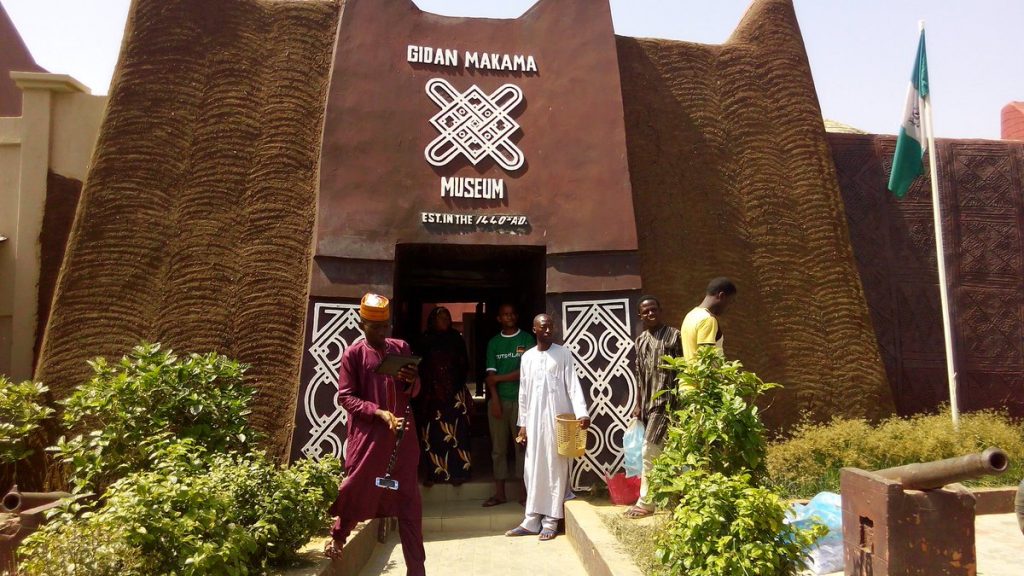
<point>636,512</point>
<point>546,535</point>
<point>333,549</point>
<point>493,501</point>
<point>520,531</point>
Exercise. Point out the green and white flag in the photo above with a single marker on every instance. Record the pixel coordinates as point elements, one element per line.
<point>911,143</point>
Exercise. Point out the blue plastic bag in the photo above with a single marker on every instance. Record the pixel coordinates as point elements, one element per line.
<point>633,447</point>
<point>825,508</point>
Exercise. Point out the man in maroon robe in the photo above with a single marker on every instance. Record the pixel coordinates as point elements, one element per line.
<point>377,407</point>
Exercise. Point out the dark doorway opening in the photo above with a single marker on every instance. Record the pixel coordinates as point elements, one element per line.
<point>480,277</point>
<point>472,282</point>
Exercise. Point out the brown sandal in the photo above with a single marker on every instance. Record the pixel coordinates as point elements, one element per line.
<point>493,501</point>
<point>635,512</point>
<point>333,549</point>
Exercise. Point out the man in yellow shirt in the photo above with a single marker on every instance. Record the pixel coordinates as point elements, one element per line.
<point>700,326</point>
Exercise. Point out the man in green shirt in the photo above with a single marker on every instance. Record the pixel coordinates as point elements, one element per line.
<point>503,354</point>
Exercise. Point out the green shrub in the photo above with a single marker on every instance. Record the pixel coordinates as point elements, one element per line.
<point>166,479</point>
<point>81,549</point>
<point>21,413</point>
<point>193,514</point>
<point>133,408</point>
<point>725,525</point>
<point>809,461</point>
<point>723,521</point>
<point>714,424</point>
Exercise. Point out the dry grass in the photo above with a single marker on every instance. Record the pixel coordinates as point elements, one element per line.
<point>639,538</point>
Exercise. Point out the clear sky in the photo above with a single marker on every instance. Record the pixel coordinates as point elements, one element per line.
<point>861,51</point>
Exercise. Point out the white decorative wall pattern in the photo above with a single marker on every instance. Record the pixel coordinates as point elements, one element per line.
<point>474,124</point>
<point>600,335</point>
<point>335,327</point>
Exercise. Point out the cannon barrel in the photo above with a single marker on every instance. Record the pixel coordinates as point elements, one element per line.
<point>15,501</point>
<point>929,475</point>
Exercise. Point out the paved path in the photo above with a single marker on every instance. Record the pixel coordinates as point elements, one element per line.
<point>481,554</point>
<point>1000,545</point>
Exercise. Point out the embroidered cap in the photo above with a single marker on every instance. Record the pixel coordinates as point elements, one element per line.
<point>375,308</point>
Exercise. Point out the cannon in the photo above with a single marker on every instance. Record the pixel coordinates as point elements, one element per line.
<point>932,475</point>
<point>913,519</point>
<point>26,513</point>
<point>15,501</point>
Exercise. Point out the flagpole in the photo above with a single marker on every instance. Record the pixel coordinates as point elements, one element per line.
<point>940,253</point>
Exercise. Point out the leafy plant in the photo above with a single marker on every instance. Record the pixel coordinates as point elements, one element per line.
<point>193,513</point>
<point>22,410</point>
<point>808,462</point>
<point>177,487</point>
<point>81,548</point>
<point>715,425</point>
<point>723,522</point>
<point>133,408</point>
<point>726,526</point>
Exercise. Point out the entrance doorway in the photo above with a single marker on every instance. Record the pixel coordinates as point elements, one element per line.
<point>476,278</point>
<point>472,282</point>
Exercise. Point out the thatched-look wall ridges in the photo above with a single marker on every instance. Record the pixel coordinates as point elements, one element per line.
<point>195,223</point>
<point>732,175</point>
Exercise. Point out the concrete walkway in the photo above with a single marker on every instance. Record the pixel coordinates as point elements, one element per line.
<point>481,553</point>
<point>999,545</point>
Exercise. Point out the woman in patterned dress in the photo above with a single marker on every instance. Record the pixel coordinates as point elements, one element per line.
<point>443,403</point>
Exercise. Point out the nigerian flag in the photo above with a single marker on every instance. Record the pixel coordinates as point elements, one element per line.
<point>911,144</point>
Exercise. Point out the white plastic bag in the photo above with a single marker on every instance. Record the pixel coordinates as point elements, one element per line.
<point>633,447</point>
<point>827,553</point>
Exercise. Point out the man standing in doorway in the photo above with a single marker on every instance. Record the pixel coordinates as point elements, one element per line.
<point>548,386</point>
<point>657,340</point>
<point>504,352</point>
<point>700,326</point>
<point>378,408</point>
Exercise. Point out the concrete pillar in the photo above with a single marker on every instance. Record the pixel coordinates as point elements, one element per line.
<point>37,110</point>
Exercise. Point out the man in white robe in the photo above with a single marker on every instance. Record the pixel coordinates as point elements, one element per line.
<point>548,386</point>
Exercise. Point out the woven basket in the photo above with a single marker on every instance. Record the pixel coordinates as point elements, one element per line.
<point>572,439</point>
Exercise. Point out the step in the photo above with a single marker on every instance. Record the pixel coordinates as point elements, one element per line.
<point>470,516</point>
<point>476,490</point>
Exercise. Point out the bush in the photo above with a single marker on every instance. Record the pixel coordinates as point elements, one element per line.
<point>193,514</point>
<point>715,425</point>
<point>82,549</point>
<point>140,404</point>
<point>709,474</point>
<point>166,480</point>
<point>725,525</point>
<point>809,461</point>
<point>21,413</point>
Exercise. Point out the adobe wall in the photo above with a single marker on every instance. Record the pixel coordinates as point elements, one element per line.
<point>894,243</point>
<point>732,175</point>
<point>195,227</point>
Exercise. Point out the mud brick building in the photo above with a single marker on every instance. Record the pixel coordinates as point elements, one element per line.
<point>263,163</point>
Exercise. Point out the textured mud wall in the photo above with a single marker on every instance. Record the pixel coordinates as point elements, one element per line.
<point>196,220</point>
<point>732,175</point>
<point>894,242</point>
<point>62,196</point>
